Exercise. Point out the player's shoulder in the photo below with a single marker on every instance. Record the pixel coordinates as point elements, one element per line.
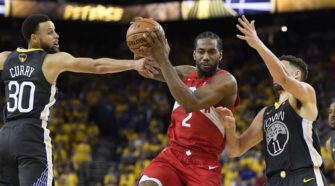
<point>5,54</point>
<point>3,57</point>
<point>224,77</point>
<point>223,72</point>
<point>58,57</point>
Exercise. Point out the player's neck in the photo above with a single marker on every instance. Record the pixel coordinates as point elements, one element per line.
<point>206,75</point>
<point>283,96</point>
<point>32,46</point>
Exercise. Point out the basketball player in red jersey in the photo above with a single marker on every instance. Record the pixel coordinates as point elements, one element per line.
<point>195,134</point>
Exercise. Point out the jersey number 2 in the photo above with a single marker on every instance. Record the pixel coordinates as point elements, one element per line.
<point>184,122</point>
<point>16,94</point>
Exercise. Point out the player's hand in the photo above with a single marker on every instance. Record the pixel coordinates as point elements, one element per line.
<point>146,67</point>
<point>226,117</point>
<point>158,45</point>
<point>249,32</point>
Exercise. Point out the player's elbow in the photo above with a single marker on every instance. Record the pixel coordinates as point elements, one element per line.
<point>99,68</point>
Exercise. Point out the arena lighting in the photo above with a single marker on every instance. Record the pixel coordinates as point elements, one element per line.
<point>165,11</point>
<point>284,28</point>
<point>2,9</point>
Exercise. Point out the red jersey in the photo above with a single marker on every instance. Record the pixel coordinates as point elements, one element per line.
<point>199,131</point>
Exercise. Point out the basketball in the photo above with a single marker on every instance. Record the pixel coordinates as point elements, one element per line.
<point>135,33</point>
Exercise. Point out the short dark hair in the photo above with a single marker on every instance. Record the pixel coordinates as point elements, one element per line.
<point>210,35</point>
<point>30,24</point>
<point>299,63</point>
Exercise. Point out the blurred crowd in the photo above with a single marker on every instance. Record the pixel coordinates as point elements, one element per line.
<point>107,128</point>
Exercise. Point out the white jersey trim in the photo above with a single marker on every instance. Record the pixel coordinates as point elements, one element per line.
<point>47,140</point>
<point>147,178</point>
<point>315,156</point>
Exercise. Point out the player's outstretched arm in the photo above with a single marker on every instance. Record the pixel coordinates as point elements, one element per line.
<point>182,71</point>
<point>223,85</point>
<point>300,90</point>
<point>63,61</point>
<point>238,145</point>
<point>3,57</point>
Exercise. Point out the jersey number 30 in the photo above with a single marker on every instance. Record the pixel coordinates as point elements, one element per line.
<point>16,94</point>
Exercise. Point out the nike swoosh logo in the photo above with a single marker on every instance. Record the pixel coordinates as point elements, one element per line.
<point>308,180</point>
<point>211,168</point>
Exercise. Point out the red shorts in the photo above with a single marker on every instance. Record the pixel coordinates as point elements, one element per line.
<point>174,167</point>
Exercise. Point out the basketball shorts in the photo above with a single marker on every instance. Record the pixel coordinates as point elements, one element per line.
<point>25,154</point>
<point>300,177</point>
<point>182,167</point>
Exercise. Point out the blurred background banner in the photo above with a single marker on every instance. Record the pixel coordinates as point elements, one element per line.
<point>161,11</point>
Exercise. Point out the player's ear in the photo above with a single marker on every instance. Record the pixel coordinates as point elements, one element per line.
<point>194,55</point>
<point>34,38</point>
<point>297,75</point>
<point>221,55</point>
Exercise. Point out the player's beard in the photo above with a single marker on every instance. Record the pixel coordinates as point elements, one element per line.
<point>277,88</point>
<point>48,48</point>
<point>207,73</point>
<point>332,124</point>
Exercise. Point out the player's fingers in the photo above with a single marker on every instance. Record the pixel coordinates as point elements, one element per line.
<point>138,18</point>
<point>148,74</point>
<point>230,119</point>
<point>144,49</point>
<point>153,70</point>
<point>245,19</point>
<point>219,109</point>
<point>241,37</point>
<point>147,70</point>
<point>244,31</point>
<point>252,24</point>
<point>148,39</point>
<point>160,34</point>
<point>222,112</point>
<point>153,63</point>
<point>229,112</point>
<point>243,24</point>
<point>156,35</point>
<point>152,35</point>
<point>167,45</point>
<point>226,111</point>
